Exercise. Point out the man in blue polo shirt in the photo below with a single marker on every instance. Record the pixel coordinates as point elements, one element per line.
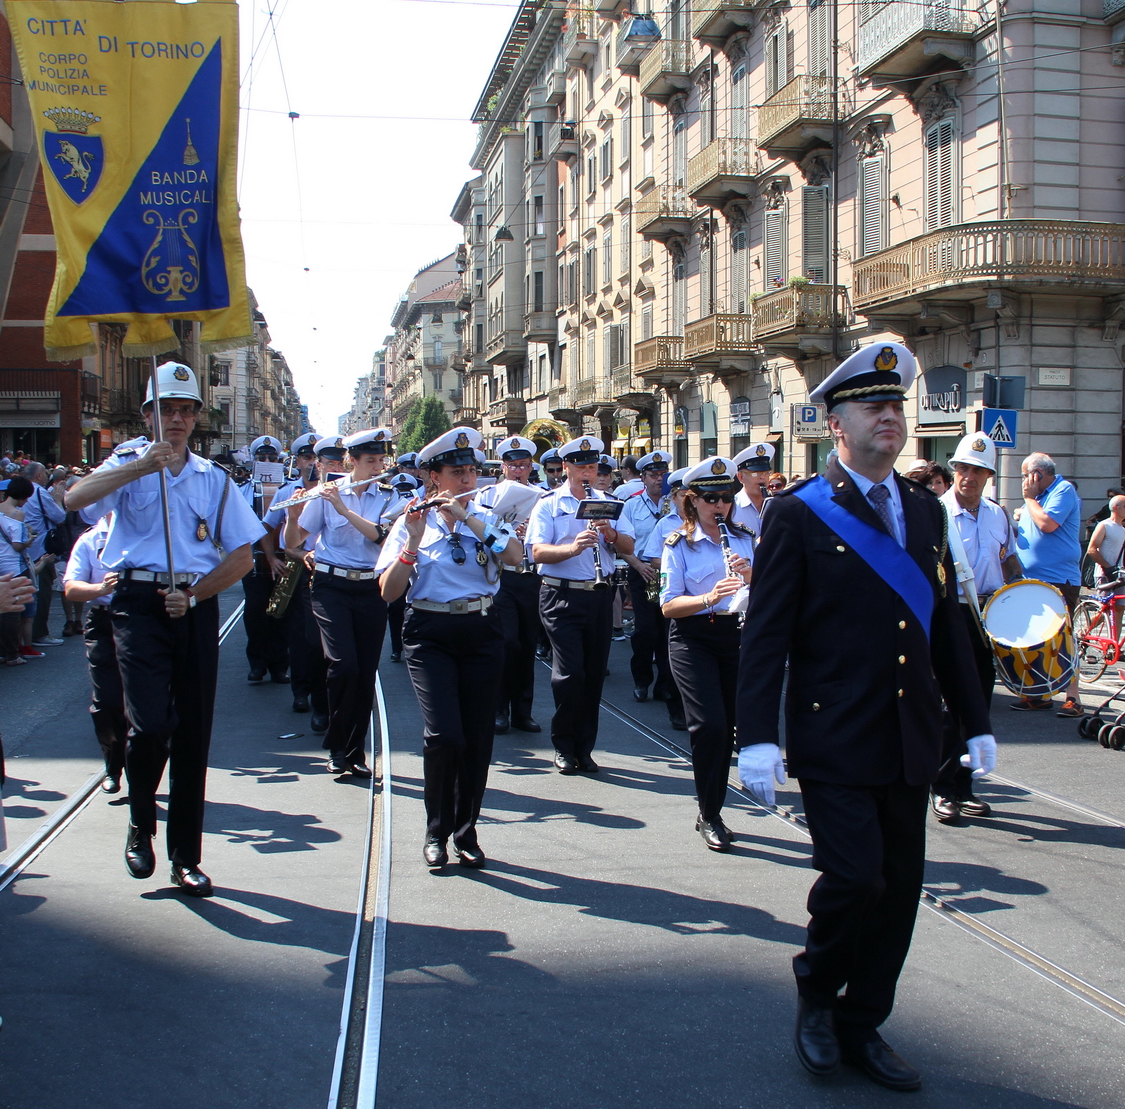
<point>1047,543</point>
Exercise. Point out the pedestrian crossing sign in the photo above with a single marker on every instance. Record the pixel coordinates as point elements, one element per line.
<point>999,424</point>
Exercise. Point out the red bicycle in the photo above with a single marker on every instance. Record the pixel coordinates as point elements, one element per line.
<point>1096,645</point>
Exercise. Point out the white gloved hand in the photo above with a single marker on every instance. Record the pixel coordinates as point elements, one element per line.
<point>981,756</point>
<point>758,766</point>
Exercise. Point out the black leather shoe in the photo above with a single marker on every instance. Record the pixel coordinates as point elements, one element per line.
<point>946,809</point>
<point>111,783</point>
<point>565,764</point>
<point>659,694</point>
<point>319,724</point>
<point>815,1039</point>
<point>139,855</point>
<point>280,679</point>
<point>396,656</point>
<point>714,832</point>
<point>192,881</point>
<point>881,1064</point>
<point>256,676</point>
<point>337,766</point>
<point>502,724</point>
<point>587,765</point>
<point>472,857</point>
<point>360,770</point>
<point>543,654</point>
<point>640,693</point>
<point>974,806</point>
<point>526,724</point>
<point>300,703</point>
<point>679,724</point>
<point>434,852</point>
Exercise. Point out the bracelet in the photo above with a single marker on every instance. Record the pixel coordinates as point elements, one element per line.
<point>402,557</point>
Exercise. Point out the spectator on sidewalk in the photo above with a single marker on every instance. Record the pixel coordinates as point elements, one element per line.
<point>1107,545</point>
<point>14,541</point>
<point>1047,530</point>
<point>42,512</point>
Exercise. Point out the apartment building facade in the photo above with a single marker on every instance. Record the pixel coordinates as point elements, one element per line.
<point>739,192</point>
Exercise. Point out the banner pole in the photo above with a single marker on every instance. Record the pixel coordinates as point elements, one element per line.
<point>158,432</point>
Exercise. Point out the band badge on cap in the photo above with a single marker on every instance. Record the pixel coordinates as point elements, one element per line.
<point>886,360</point>
<point>340,444</point>
<point>761,450</point>
<point>584,445</point>
<point>719,466</point>
<point>979,445</point>
<point>462,440</point>
<point>180,374</point>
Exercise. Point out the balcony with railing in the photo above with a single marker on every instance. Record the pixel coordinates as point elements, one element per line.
<point>722,170</point>
<point>664,212</point>
<point>1113,10</point>
<point>960,261</point>
<point>508,411</point>
<point>555,86</point>
<point>560,405</point>
<point>628,390</point>
<point>591,394</point>
<point>540,327</point>
<point>795,115</point>
<point>665,70</point>
<point>121,404</point>
<point>904,40</point>
<point>580,41</point>
<point>660,362</point>
<point>630,50</point>
<point>714,21</point>
<point>505,348</point>
<point>562,141</point>
<point>797,318</point>
<point>720,343</point>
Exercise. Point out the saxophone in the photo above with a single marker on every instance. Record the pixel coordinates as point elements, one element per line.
<point>285,587</point>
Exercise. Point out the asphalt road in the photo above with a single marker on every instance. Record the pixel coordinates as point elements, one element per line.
<point>605,958</point>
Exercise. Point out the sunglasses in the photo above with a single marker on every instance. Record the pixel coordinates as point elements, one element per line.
<point>551,470</point>
<point>776,485</point>
<point>715,498</point>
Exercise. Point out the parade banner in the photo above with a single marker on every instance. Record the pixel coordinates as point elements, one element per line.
<point>135,108</point>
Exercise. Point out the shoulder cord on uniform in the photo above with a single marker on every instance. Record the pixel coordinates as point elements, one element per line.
<point>217,537</point>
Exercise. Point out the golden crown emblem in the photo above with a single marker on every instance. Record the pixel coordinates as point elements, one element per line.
<point>584,445</point>
<point>72,120</point>
<point>379,437</point>
<point>979,445</point>
<point>462,440</point>
<point>340,443</point>
<point>886,360</point>
<point>180,374</point>
<point>718,466</point>
<point>761,451</point>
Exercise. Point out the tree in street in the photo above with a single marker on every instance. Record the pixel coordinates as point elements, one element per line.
<point>426,419</point>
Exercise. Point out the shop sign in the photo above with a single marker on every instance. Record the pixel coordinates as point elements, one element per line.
<point>941,395</point>
<point>740,416</point>
<point>29,419</point>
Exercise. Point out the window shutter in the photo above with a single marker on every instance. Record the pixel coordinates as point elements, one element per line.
<point>776,248</point>
<point>679,154</point>
<point>608,338</point>
<point>738,127</point>
<point>646,322</point>
<point>872,205</point>
<point>738,272</point>
<point>814,232</point>
<point>818,37</point>
<point>939,175</point>
<point>626,241</point>
<point>624,355</point>
<point>679,302</point>
<point>705,296</point>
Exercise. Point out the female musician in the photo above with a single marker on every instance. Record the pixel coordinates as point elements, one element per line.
<point>447,553</point>
<point>702,571</point>
<point>349,525</point>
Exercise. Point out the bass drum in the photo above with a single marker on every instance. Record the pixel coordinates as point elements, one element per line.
<point>1029,630</point>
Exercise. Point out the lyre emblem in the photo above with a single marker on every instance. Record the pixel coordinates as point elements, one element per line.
<point>175,270</point>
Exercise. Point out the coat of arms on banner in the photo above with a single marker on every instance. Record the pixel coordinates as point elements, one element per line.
<point>74,156</point>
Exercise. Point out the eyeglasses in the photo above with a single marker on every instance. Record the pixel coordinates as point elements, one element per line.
<point>553,470</point>
<point>715,498</point>
<point>184,411</point>
<point>776,485</point>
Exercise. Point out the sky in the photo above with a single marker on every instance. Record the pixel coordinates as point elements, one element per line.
<point>341,207</point>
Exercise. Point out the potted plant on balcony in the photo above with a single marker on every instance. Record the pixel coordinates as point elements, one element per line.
<point>799,282</point>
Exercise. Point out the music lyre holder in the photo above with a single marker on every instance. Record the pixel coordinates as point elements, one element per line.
<point>590,509</point>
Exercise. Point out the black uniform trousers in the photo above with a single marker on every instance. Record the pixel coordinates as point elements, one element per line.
<point>704,659</point>
<point>577,622</point>
<point>267,639</point>
<point>650,637</point>
<point>308,668</point>
<point>517,602</point>
<point>869,843</point>
<point>169,669</point>
<point>953,779</point>
<point>453,660</point>
<point>353,620</point>
<point>396,614</point>
<point>107,707</point>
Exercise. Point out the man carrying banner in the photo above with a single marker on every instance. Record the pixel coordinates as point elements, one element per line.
<point>166,633</point>
<point>854,586</point>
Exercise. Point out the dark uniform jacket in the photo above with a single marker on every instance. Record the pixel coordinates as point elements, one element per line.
<point>863,703</point>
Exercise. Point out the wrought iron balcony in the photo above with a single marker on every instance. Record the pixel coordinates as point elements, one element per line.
<point>432,363</point>
<point>122,403</point>
<point>508,410</point>
<point>798,317</point>
<point>660,361</point>
<point>540,327</point>
<point>629,51</point>
<point>960,260</point>
<point>665,69</point>
<point>796,114</point>
<point>714,21</point>
<point>724,169</point>
<point>664,212</point>
<point>562,141</point>
<point>1113,9</point>
<point>903,40</point>
<point>580,41</point>
<point>505,348</point>
<point>628,390</point>
<point>719,343</point>
<point>591,394</point>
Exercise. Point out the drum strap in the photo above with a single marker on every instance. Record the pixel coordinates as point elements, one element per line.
<point>882,553</point>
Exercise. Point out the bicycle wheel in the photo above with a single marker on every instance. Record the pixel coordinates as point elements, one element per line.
<point>1094,644</point>
<point>1087,612</point>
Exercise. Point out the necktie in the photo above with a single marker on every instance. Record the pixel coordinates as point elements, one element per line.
<point>878,496</point>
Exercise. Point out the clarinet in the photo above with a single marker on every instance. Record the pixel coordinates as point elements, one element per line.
<point>728,554</point>
<point>599,577</point>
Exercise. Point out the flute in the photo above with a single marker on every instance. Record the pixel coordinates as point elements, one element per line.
<point>303,495</point>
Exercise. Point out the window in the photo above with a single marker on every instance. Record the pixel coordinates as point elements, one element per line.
<point>776,248</point>
<point>814,232</point>
<point>647,117</point>
<point>938,175</point>
<point>437,383</point>
<point>439,350</point>
<point>607,256</point>
<point>572,282</point>
<point>605,160</point>
<point>872,204</point>
<point>739,118</point>
<point>777,60</point>
<point>479,238</point>
<point>679,298</point>
<point>646,322</point>
<point>587,371</point>
<point>223,369</point>
<point>589,270</point>
<point>575,182</point>
<point>591,174</point>
<point>537,291</point>
<point>224,408</point>
<point>707,110</point>
<point>495,259</point>
<point>626,133</point>
<point>679,153</point>
<point>537,214</point>
<point>537,142</point>
<point>676,19</point>
<point>616,341</point>
<point>626,235</point>
<point>478,341</point>
<point>541,374</point>
<point>819,35</point>
<point>738,272</point>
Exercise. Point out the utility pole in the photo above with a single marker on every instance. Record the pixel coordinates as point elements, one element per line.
<point>834,207</point>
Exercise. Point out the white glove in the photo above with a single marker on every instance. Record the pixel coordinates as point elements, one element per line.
<point>981,756</point>
<point>758,766</point>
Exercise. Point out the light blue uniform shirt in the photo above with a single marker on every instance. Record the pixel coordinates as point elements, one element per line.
<point>865,485</point>
<point>85,563</point>
<point>553,522</point>
<point>339,543</point>
<point>436,577</point>
<point>654,548</point>
<point>275,517</point>
<point>1053,556</point>
<point>643,513</point>
<point>745,512</point>
<point>136,536</point>
<point>692,566</point>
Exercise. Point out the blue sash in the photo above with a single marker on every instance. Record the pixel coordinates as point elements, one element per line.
<point>879,550</point>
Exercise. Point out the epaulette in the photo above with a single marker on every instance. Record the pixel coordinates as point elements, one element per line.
<point>131,446</point>
<point>740,529</point>
<point>673,538</point>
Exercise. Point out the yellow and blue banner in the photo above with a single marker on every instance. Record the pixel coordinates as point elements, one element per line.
<point>136,113</point>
